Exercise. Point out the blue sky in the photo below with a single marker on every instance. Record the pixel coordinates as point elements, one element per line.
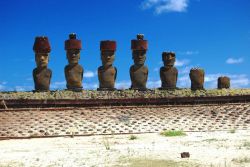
<point>211,34</point>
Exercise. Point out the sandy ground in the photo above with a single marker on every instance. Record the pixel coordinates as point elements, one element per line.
<point>213,149</point>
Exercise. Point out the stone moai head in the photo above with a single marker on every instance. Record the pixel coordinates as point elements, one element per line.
<point>223,82</point>
<point>197,76</point>
<point>168,59</point>
<point>139,47</point>
<point>73,47</point>
<point>108,49</point>
<point>42,49</point>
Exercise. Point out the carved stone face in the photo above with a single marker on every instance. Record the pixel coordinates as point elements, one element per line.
<point>139,57</point>
<point>73,56</point>
<point>42,59</point>
<point>107,57</point>
<point>168,60</point>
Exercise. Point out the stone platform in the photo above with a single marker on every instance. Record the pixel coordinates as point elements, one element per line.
<point>37,122</point>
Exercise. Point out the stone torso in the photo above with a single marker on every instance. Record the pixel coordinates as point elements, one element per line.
<point>74,76</point>
<point>42,79</point>
<point>107,77</point>
<point>168,77</point>
<point>139,76</point>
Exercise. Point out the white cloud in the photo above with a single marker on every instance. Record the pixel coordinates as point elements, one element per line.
<point>123,84</point>
<point>236,81</point>
<point>234,61</point>
<point>90,86</point>
<point>23,88</point>
<point>88,74</point>
<point>154,84</point>
<point>180,63</point>
<point>185,70</point>
<point>58,85</point>
<point>163,6</point>
<point>183,81</point>
<point>2,85</point>
<point>189,52</point>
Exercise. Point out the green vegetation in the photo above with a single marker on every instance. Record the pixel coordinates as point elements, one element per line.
<point>241,160</point>
<point>154,93</point>
<point>106,143</point>
<point>172,133</point>
<point>210,140</point>
<point>246,144</point>
<point>133,137</point>
<point>143,162</point>
<point>232,131</point>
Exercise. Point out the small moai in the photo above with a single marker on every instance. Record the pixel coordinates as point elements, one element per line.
<point>197,78</point>
<point>42,74</point>
<point>138,71</point>
<point>168,72</point>
<point>107,72</point>
<point>73,71</point>
<point>223,82</point>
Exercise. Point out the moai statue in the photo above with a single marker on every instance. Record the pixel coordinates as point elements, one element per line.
<point>107,72</point>
<point>223,82</point>
<point>197,78</point>
<point>41,74</point>
<point>139,72</point>
<point>73,71</point>
<point>168,72</point>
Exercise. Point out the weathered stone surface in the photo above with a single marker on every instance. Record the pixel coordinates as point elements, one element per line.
<point>73,71</point>
<point>41,74</point>
<point>74,76</point>
<point>197,78</point>
<point>223,82</point>
<point>168,72</point>
<point>138,71</point>
<point>107,73</point>
<point>125,119</point>
<point>42,78</point>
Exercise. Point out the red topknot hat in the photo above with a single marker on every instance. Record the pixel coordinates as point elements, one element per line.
<point>41,45</point>
<point>139,43</point>
<point>108,45</point>
<point>72,42</point>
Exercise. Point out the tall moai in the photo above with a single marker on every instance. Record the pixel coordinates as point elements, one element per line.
<point>107,72</point>
<point>138,71</point>
<point>73,71</point>
<point>168,72</point>
<point>42,74</point>
<point>223,82</point>
<point>197,77</point>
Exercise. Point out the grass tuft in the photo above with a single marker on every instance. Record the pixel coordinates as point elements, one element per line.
<point>133,137</point>
<point>241,160</point>
<point>145,162</point>
<point>173,133</point>
<point>232,131</point>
